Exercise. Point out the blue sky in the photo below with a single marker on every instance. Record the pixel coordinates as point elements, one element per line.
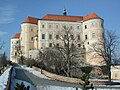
<point>14,12</point>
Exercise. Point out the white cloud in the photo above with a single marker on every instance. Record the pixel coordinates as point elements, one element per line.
<point>6,14</point>
<point>3,33</point>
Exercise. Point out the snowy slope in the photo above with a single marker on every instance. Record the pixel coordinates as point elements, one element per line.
<point>14,81</point>
<point>33,71</point>
<point>4,78</point>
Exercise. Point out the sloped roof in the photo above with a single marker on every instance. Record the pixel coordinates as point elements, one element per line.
<point>90,16</point>
<point>16,35</point>
<point>32,20</point>
<point>53,17</point>
<point>62,18</point>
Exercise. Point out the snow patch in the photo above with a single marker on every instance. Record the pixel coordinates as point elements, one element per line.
<point>14,81</point>
<point>4,79</point>
<point>33,71</point>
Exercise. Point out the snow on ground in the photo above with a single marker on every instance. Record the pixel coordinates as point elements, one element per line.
<point>49,87</point>
<point>4,78</point>
<point>14,81</point>
<point>33,71</point>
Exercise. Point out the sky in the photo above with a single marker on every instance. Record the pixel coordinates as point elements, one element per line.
<point>14,12</point>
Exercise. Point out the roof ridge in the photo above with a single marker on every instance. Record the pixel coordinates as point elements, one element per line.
<point>63,15</point>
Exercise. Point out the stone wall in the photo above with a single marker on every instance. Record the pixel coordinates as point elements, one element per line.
<point>58,77</point>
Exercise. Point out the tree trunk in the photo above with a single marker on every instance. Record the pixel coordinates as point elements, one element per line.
<point>68,70</point>
<point>109,73</point>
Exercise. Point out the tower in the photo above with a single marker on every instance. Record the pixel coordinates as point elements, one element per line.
<point>29,30</point>
<point>64,12</point>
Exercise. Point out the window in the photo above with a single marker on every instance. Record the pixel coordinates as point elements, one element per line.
<point>115,74</point>
<point>78,27</point>
<point>86,37</point>
<point>88,42</point>
<point>31,38</point>
<point>92,24</point>
<point>50,26</point>
<point>43,26</point>
<point>83,46</point>
<point>50,44</point>
<point>15,53</point>
<point>43,36</point>
<point>79,45</point>
<point>57,36</point>
<point>102,25</point>
<point>93,35</point>
<point>71,27</point>
<point>72,37</point>
<point>65,36</point>
<point>30,56</point>
<point>17,42</point>
<point>50,36</point>
<point>56,26</point>
<point>102,35</point>
<point>85,26</point>
<point>57,45</point>
<point>72,45</point>
<point>78,37</point>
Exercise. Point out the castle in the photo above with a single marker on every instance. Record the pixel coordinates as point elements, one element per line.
<point>37,34</point>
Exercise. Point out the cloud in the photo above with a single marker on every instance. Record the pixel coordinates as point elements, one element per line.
<point>6,14</point>
<point>3,33</point>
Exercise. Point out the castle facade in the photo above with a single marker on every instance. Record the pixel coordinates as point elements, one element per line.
<point>37,34</point>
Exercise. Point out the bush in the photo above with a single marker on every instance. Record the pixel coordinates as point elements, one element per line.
<point>104,70</point>
<point>86,69</point>
<point>21,86</point>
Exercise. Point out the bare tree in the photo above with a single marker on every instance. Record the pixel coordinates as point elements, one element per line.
<point>19,54</point>
<point>3,60</point>
<point>106,48</point>
<point>64,56</point>
<point>72,50</point>
<point>3,56</point>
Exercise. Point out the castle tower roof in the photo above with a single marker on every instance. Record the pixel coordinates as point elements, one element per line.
<point>16,36</point>
<point>90,16</point>
<point>32,20</point>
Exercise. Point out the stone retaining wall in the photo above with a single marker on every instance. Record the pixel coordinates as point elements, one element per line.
<point>58,77</point>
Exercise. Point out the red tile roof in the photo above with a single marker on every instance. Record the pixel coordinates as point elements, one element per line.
<point>16,35</point>
<point>90,16</point>
<point>62,18</point>
<point>31,20</point>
